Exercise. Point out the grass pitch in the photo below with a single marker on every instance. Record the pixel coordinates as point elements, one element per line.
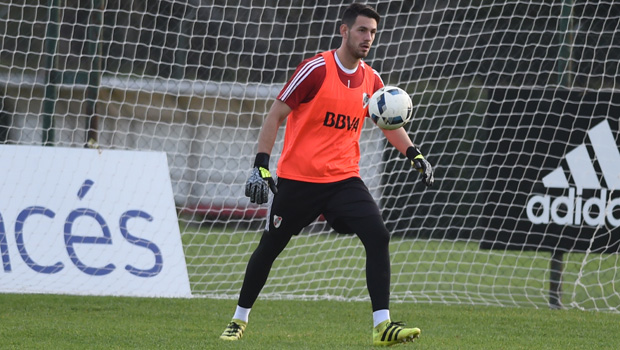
<point>32,321</point>
<point>81,322</point>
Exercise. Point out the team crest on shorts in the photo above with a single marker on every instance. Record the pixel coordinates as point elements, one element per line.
<point>277,221</point>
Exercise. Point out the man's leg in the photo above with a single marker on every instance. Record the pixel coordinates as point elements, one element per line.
<point>293,208</point>
<point>259,266</point>
<point>375,237</point>
<point>256,274</point>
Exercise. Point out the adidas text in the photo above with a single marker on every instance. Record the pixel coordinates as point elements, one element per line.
<point>573,209</point>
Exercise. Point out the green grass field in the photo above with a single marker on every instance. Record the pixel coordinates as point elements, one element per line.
<point>79,322</point>
<point>455,283</point>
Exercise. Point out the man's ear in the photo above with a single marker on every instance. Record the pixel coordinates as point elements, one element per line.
<point>344,30</point>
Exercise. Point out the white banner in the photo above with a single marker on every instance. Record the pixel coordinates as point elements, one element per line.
<point>82,221</point>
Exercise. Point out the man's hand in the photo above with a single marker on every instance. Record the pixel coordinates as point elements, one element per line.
<point>260,181</point>
<point>258,184</point>
<point>421,164</point>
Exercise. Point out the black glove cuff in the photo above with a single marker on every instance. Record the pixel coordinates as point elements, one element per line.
<point>261,160</point>
<point>412,152</point>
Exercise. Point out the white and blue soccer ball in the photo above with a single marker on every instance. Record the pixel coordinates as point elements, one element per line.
<point>390,108</point>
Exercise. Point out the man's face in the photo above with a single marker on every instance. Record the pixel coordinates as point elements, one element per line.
<point>360,36</point>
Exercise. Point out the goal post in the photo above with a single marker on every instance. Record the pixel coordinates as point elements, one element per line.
<point>516,107</point>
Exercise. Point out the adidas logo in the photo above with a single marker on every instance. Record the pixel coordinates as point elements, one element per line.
<point>574,209</point>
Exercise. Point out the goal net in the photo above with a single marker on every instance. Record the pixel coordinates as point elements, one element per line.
<point>516,107</point>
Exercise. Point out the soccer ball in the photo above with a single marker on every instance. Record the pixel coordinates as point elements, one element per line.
<point>390,108</point>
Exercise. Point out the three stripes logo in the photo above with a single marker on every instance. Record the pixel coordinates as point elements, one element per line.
<point>574,209</point>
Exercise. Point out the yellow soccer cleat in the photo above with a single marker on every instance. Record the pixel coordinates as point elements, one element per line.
<point>388,333</point>
<point>234,330</point>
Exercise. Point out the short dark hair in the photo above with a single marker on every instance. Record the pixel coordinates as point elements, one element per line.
<point>356,9</point>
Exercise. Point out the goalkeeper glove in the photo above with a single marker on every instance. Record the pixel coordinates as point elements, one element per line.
<point>421,164</point>
<point>260,180</point>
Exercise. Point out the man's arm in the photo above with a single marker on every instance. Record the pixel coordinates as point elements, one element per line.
<point>260,180</point>
<point>401,141</point>
<point>269,131</point>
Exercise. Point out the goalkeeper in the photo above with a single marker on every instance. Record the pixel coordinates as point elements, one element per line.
<point>325,102</point>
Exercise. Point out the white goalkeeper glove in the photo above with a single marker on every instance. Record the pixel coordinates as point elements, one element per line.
<point>421,165</point>
<point>260,181</point>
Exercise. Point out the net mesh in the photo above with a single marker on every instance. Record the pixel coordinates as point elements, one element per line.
<point>503,91</point>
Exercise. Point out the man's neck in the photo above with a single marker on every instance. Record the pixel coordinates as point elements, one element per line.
<point>347,60</point>
<point>342,66</point>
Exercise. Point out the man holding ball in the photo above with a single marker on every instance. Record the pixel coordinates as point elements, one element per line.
<point>326,101</point>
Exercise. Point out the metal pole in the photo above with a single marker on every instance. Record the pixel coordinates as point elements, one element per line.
<point>564,54</point>
<point>52,78</point>
<point>94,75</point>
<point>556,266</point>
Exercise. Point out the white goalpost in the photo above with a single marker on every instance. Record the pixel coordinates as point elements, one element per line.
<point>516,106</point>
